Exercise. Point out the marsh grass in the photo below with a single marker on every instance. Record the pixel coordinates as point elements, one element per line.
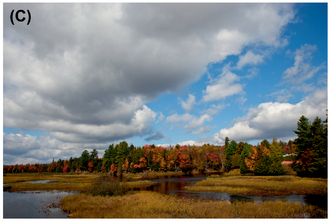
<point>59,177</point>
<point>46,186</point>
<point>262,185</point>
<point>221,189</point>
<point>66,182</point>
<point>150,175</point>
<point>106,186</point>
<point>145,204</point>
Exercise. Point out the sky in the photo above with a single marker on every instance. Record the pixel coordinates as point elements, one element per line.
<point>84,76</point>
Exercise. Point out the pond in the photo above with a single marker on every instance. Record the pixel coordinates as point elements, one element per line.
<point>35,204</point>
<point>175,186</point>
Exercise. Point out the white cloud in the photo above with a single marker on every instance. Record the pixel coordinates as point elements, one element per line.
<point>199,142</point>
<point>203,129</point>
<point>13,143</point>
<point>214,109</point>
<point>192,122</point>
<point>304,87</point>
<point>253,72</point>
<point>161,118</point>
<point>302,69</point>
<point>176,118</point>
<point>282,95</point>
<point>275,119</point>
<point>249,58</point>
<point>223,87</point>
<point>24,149</point>
<point>189,104</point>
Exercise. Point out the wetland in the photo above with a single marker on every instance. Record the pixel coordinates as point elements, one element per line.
<point>167,196</point>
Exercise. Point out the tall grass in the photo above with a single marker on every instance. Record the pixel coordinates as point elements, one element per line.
<point>262,185</point>
<point>46,186</point>
<point>106,186</point>
<point>145,204</point>
<point>59,177</point>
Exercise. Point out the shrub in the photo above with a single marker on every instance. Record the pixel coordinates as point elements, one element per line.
<point>106,186</point>
<point>214,176</point>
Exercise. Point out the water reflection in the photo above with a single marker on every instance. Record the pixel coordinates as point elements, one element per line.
<point>175,186</point>
<point>40,181</point>
<point>31,204</point>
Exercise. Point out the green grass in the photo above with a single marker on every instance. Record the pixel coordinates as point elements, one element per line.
<point>146,204</point>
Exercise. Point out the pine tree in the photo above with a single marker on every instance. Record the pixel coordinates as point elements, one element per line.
<point>311,146</point>
<point>318,164</point>
<point>229,151</point>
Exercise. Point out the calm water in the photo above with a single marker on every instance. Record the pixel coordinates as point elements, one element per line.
<point>175,186</point>
<point>30,204</point>
<point>34,204</point>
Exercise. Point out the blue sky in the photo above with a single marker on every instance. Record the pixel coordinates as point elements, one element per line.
<point>151,74</point>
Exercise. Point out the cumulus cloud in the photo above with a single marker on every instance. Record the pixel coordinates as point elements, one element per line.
<point>24,149</point>
<point>84,72</point>
<point>224,86</point>
<point>189,104</point>
<point>214,109</point>
<point>203,129</point>
<point>191,122</point>
<point>13,144</point>
<point>274,119</point>
<point>201,141</point>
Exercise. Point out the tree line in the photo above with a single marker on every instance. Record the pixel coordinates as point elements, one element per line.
<point>308,153</point>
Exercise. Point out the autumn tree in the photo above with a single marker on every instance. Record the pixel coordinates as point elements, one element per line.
<point>172,159</point>
<point>184,159</point>
<point>243,158</point>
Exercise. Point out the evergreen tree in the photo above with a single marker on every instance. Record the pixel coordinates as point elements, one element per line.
<point>265,143</point>
<point>276,152</point>
<point>303,143</point>
<point>318,164</point>
<point>94,157</point>
<point>244,154</point>
<point>83,160</point>
<point>311,146</point>
<point>229,151</point>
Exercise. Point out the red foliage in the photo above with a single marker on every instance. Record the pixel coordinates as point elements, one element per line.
<point>305,159</point>
<point>65,169</point>
<point>184,160</point>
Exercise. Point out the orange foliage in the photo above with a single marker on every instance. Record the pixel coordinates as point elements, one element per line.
<point>142,163</point>
<point>90,166</point>
<point>113,168</point>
